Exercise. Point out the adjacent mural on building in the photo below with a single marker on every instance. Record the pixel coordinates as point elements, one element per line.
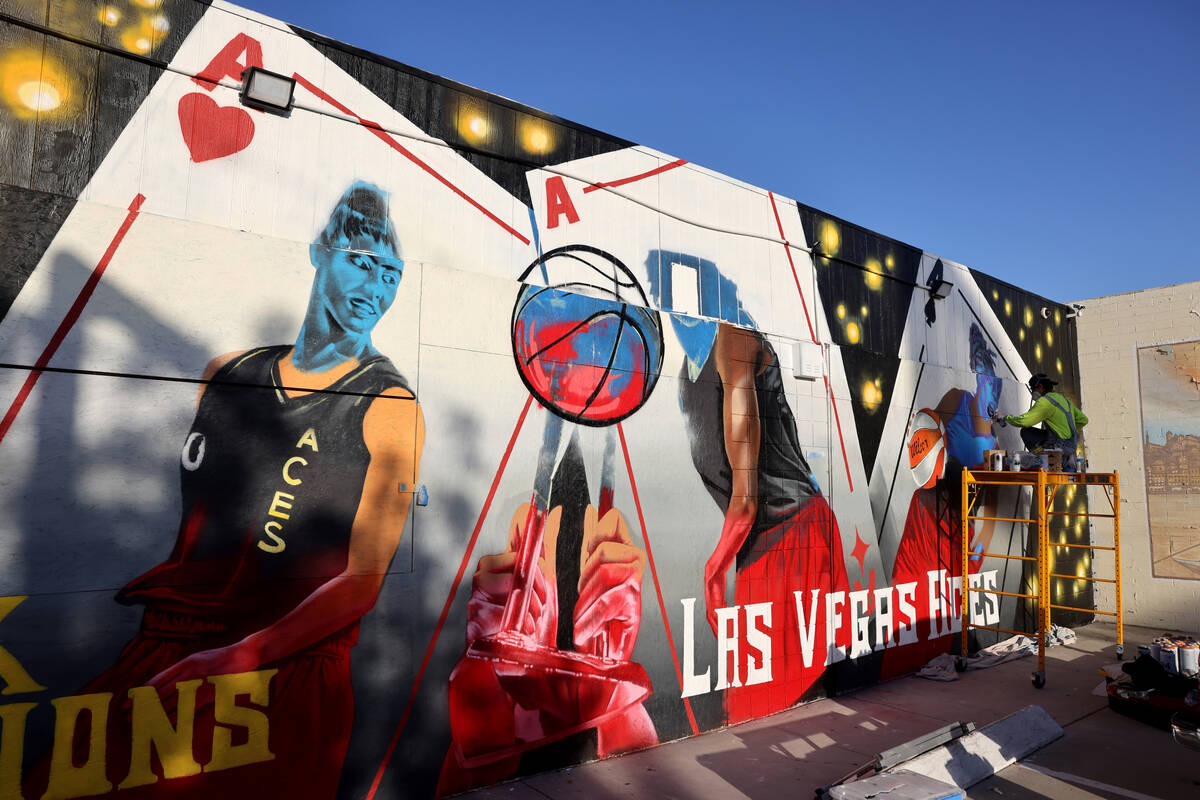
<point>1169,382</point>
<point>617,515</point>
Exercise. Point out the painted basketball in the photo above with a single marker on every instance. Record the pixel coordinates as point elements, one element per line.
<point>585,342</point>
<point>926,448</point>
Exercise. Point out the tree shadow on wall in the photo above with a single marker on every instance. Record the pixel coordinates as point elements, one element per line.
<point>93,461</point>
<point>395,635</point>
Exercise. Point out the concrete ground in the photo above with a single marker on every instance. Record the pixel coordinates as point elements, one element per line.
<point>788,755</point>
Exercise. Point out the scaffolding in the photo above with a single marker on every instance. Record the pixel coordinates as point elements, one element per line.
<point>1045,485</point>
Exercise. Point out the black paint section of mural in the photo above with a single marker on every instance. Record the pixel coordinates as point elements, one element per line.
<point>29,221</point>
<point>93,75</point>
<point>866,283</point>
<point>502,138</point>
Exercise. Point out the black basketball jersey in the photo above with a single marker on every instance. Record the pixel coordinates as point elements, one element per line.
<point>784,477</point>
<point>270,487</point>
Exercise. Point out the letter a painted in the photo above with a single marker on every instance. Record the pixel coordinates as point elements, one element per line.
<point>229,64</point>
<point>558,202</point>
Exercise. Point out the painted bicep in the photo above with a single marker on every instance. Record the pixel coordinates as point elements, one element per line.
<point>394,432</point>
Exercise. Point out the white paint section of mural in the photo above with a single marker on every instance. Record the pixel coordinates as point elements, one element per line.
<point>196,154</point>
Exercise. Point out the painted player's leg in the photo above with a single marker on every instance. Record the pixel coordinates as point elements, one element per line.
<point>799,555</point>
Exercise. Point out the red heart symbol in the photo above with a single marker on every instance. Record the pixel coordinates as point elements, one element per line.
<point>212,131</point>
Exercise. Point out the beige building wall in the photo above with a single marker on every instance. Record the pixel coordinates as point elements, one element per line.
<point>1111,331</point>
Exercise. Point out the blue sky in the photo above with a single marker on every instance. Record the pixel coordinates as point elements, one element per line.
<point>1052,145</point>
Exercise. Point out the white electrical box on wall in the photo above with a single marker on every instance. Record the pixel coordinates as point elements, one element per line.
<point>808,360</point>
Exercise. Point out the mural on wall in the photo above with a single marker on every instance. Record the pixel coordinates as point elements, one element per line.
<point>1169,383</point>
<point>269,576</point>
<point>632,521</point>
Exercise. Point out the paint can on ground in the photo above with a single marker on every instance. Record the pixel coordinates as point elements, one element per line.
<point>1156,650</point>
<point>1169,658</point>
<point>1189,658</point>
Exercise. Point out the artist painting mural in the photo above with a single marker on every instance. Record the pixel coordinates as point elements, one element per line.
<point>693,448</point>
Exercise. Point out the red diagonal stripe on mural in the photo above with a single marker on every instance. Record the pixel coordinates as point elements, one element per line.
<point>637,503</point>
<point>787,248</point>
<point>377,129</point>
<point>64,327</point>
<point>634,178</point>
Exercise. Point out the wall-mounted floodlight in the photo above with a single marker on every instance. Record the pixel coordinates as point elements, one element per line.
<point>267,91</point>
<point>941,289</point>
<point>1077,310</point>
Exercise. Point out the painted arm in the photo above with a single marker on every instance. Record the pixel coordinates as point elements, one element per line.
<point>737,353</point>
<point>610,607</point>
<point>394,432</point>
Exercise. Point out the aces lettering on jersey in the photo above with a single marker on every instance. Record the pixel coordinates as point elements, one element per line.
<point>282,503</point>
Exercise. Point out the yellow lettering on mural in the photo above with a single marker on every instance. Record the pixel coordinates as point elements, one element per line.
<point>11,672</point>
<point>272,529</point>
<point>309,439</point>
<point>227,714</point>
<point>280,505</point>
<point>67,779</point>
<point>287,475</point>
<point>153,731</point>
<point>12,748</point>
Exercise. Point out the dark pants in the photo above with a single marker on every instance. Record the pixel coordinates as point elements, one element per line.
<point>1036,439</point>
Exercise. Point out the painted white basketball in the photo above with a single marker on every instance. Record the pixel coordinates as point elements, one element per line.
<point>926,448</point>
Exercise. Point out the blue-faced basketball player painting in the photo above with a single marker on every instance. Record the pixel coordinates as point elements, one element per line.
<point>296,477</point>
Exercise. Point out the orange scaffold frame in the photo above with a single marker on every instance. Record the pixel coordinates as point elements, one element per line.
<point>1044,485</point>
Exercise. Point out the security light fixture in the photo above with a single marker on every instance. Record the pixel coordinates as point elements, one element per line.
<point>941,289</point>
<point>267,91</point>
<point>1077,310</point>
